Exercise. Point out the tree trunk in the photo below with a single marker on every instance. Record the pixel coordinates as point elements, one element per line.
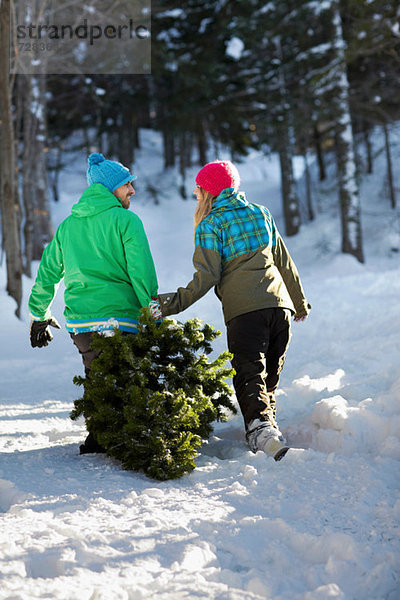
<point>345,157</point>
<point>31,99</point>
<point>190,140</point>
<point>28,188</point>
<point>135,135</point>
<point>310,210</point>
<point>169,148</point>
<point>88,144</point>
<point>182,164</point>
<point>8,193</point>
<point>290,200</point>
<point>202,143</point>
<point>99,131</point>
<point>126,140</point>
<point>288,189</point>
<point>42,228</point>
<point>368,147</point>
<point>320,156</point>
<point>392,193</point>
<point>54,170</point>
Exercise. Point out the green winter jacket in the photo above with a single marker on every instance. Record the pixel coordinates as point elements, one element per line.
<point>102,252</point>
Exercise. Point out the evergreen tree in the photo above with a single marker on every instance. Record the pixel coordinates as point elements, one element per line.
<point>371,30</point>
<point>266,66</point>
<point>311,70</point>
<point>197,87</point>
<point>151,397</point>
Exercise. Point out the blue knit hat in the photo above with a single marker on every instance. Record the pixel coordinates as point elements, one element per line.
<point>108,172</point>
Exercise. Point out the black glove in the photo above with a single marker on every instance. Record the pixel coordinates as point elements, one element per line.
<point>40,333</point>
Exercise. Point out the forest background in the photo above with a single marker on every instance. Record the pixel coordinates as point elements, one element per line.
<point>292,77</point>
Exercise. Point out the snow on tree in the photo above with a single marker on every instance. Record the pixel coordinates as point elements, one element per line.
<point>346,164</point>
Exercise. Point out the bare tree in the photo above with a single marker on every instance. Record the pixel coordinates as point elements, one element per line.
<point>284,128</point>
<point>38,229</point>
<point>30,99</point>
<point>389,164</point>
<point>345,156</point>
<point>10,209</point>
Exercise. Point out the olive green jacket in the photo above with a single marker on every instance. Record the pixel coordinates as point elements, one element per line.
<point>239,251</point>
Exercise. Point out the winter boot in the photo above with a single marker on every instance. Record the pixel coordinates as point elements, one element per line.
<point>91,446</point>
<point>261,435</point>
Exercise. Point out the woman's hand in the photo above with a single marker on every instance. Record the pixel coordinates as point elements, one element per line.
<point>155,309</point>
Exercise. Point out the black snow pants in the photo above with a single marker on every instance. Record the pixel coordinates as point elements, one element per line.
<point>258,341</point>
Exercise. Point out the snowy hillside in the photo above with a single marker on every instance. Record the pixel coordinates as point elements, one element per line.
<point>322,523</point>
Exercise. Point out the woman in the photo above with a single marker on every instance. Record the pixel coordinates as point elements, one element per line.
<point>239,251</point>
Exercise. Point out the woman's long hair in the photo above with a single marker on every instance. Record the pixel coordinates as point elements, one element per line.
<point>204,206</point>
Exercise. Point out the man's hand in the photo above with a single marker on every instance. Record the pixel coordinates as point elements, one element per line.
<point>40,333</point>
<point>297,319</point>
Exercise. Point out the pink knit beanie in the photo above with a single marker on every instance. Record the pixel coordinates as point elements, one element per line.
<point>218,175</point>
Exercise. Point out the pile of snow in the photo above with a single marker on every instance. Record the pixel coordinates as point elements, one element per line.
<point>9,495</point>
<point>322,523</point>
<point>369,427</point>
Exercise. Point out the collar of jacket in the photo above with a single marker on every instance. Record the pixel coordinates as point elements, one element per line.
<point>228,197</point>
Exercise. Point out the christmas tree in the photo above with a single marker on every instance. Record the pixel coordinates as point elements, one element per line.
<point>151,397</point>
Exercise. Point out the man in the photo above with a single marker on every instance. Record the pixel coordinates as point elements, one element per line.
<point>102,252</point>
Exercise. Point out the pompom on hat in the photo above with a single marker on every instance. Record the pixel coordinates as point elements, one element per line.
<point>108,172</point>
<point>217,176</point>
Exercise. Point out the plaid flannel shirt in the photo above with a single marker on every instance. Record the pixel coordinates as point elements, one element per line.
<point>235,227</point>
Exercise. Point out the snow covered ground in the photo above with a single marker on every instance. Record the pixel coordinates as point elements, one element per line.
<point>322,523</point>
